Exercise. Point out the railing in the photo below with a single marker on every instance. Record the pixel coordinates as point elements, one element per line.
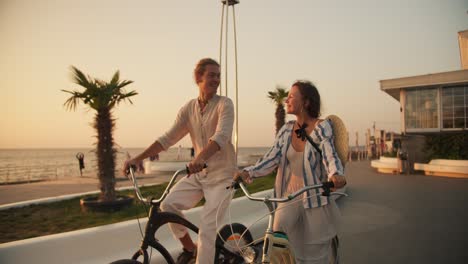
<point>31,173</point>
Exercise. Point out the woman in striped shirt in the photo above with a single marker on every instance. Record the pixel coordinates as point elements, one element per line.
<point>312,223</point>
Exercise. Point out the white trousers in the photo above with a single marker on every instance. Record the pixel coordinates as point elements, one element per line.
<point>310,230</point>
<point>185,195</point>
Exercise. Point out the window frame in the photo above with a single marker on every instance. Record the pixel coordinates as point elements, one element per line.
<point>439,109</point>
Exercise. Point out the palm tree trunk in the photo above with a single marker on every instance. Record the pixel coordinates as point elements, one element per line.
<point>105,153</point>
<point>280,115</point>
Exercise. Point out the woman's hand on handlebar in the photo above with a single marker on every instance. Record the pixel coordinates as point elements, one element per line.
<point>242,176</point>
<point>339,181</point>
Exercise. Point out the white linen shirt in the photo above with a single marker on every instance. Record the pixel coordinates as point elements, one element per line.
<point>315,170</point>
<point>214,123</point>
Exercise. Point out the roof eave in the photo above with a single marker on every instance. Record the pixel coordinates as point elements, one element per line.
<point>393,86</point>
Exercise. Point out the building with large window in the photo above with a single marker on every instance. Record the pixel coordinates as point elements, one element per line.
<point>431,103</point>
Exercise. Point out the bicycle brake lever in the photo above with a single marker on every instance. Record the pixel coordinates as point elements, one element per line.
<point>234,185</point>
<point>326,186</point>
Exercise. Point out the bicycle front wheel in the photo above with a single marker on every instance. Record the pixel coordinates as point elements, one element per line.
<point>229,242</point>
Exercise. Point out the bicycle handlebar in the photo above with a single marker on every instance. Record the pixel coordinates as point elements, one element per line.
<point>326,186</point>
<point>166,191</point>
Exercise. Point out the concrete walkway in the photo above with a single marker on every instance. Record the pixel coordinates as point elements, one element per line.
<point>403,218</point>
<point>13,193</point>
<point>386,218</point>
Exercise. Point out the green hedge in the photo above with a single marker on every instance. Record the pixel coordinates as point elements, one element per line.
<point>447,146</point>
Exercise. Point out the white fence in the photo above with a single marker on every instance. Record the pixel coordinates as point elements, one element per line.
<point>31,173</point>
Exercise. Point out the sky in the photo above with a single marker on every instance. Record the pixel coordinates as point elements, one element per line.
<point>344,47</point>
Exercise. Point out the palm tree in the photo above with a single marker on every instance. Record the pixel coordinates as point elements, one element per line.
<point>278,97</point>
<point>103,97</point>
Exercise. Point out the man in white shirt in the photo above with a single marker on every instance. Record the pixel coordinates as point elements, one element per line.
<point>208,120</point>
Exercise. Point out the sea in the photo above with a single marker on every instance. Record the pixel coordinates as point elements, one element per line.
<point>29,165</point>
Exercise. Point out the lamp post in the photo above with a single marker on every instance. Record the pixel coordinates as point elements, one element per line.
<point>224,32</point>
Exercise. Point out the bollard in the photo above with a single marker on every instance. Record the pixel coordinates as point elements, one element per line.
<point>403,157</point>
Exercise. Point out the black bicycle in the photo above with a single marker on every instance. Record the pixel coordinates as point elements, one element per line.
<point>236,233</point>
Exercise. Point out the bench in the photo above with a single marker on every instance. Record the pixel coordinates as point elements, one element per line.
<point>444,167</point>
<point>386,165</point>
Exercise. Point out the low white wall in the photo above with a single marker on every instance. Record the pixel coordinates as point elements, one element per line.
<point>385,163</point>
<point>453,163</point>
<point>105,244</point>
<point>443,167</point>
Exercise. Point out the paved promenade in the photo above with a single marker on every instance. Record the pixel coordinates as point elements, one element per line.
<point>403,218</point>
<point>13,193</point>
<point>386,218</point>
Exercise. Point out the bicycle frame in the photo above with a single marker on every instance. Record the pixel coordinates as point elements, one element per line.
<point>276,247</point>
<point>157,218</point>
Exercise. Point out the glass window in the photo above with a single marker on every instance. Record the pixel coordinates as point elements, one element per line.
<point>455,107</point>
<point>458,100</point>
<point>421,109</point>
<point>459,112</point>
<point>446,100</point>
<point>459,122</point>
<point>448,123</point>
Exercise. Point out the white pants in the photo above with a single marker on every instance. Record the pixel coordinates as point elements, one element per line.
<point>185,195</point>
<point>310,230</point>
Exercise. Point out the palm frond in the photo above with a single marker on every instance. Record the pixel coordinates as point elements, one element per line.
<point>278,95</point>
<point>80,78</point>
<point>72,102</point>
<point>115,78</point>
<point>124,83</point>
<point>66,91</point>
<point>129,94</point>
<point>98,94</point>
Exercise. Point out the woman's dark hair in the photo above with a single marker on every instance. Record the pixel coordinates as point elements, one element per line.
<point>311,97</point>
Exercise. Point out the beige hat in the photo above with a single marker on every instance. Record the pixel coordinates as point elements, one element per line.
<point>341,138</point>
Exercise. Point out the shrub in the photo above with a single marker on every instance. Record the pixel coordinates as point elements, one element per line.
<point>447,146</point>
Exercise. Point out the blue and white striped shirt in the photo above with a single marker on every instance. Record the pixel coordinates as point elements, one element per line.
<point>315,170</point>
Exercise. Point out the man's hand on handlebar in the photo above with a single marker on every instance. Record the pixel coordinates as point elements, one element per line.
<point>135,164</point>
<point>196,165</point>
<point>242,176</point>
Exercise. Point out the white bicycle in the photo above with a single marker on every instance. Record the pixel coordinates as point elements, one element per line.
<point>275,247</point>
